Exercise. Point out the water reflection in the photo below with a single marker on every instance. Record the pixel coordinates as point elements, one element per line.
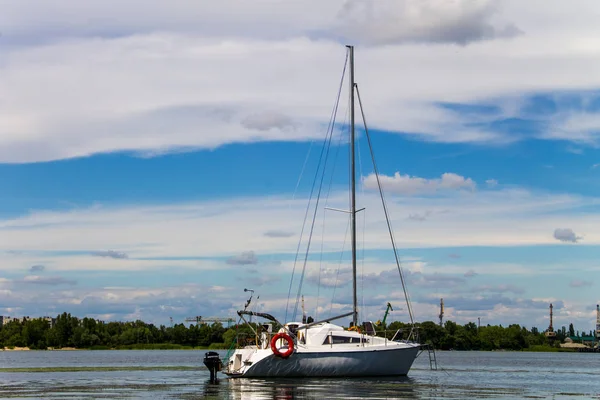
<point>213,389</point>
<point>305,388</point>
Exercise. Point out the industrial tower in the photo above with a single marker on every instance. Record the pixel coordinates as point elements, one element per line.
<point>441,311</point>
<point>597,321</point>
<point>550,334</point>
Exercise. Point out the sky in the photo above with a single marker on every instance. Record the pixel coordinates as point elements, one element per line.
<point>156,158</point>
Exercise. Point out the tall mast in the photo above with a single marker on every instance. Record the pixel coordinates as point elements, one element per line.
<point>353,194</point>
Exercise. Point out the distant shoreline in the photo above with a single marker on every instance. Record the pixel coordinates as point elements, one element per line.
<point>107,348</point>
<point>49,348</point>
<point>536,350</point>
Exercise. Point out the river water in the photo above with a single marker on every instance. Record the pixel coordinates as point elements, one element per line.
<point>180,374</point>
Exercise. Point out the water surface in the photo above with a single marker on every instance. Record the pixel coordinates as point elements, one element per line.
<point>180,374</point>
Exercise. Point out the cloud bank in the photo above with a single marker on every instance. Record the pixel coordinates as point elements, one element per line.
<point>126,98</point>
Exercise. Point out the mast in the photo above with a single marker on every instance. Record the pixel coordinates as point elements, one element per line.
<point>353,194</point>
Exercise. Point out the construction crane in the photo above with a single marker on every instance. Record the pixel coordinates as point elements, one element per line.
<point>441,311</point>
<point>229,320</point>
<point>195,319</point>
<point>550,334</point>
<point>387,310</point>
<point>205,321</point>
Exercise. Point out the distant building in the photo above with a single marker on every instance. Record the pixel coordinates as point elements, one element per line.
<point>582,339</point>
<point>7,319</point>
<point>569,344</point>
<point>51,321</point>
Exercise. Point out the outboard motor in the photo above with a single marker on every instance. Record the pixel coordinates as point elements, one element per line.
<point>213,363</point>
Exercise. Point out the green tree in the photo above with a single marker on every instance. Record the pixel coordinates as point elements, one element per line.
<point>571,330</point>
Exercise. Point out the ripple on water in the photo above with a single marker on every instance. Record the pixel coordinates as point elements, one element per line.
<point>180,374</point>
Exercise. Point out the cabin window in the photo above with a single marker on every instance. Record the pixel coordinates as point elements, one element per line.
<point>343,339</point>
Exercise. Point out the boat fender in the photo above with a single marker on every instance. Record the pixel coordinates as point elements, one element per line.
<point>290,348</point>
<point>300,336</point>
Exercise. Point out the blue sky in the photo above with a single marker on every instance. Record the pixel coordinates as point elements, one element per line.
<point>149,165</point>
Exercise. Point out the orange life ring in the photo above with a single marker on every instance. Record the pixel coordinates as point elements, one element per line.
<point>276,351</point>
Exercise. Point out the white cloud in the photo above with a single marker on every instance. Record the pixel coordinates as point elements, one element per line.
<point>420,217</point>
<point>229,227</point>
<point>73,263</point>
<point>574,150</point>
<point>504,288</point>
<point>491,183</point>
<point>400,21</point>
<point>268,120</point>
<point>412,185</point>
<point>37,268</point>
<point>47,280</point>
<point>192,75</point>
<point>245,258</point>
<point>124,303</point>
<point>157,304</point>
<point>114,18</point>
<point>276,233</point>
<point>110,254</point>
<point>156,237</point>
<point>580,283</point>
<point>579,127</point>
<point>470,274</point>
<point>331,277</point>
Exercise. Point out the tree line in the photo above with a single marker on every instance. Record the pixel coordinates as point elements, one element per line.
<point>70,331</point>
<point>453,336</point>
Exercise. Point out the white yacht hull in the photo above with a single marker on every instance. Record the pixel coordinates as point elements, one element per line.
<point>383,361</point>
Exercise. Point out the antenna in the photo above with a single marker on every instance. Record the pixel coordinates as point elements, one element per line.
<point>303,313</point>
<point>249,300</point>
<point>441,311</point>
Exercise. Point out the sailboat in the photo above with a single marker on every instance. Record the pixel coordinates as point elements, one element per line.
<point>322,348</point>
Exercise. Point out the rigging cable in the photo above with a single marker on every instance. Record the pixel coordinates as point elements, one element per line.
<point>312,142</point>
<point>337,276</point>
<point>410,312</point>
<point>327,146</point>
<point>324,213</point>
<point>312,227</point>
<point>331,121</point>
<point>362,266</point>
